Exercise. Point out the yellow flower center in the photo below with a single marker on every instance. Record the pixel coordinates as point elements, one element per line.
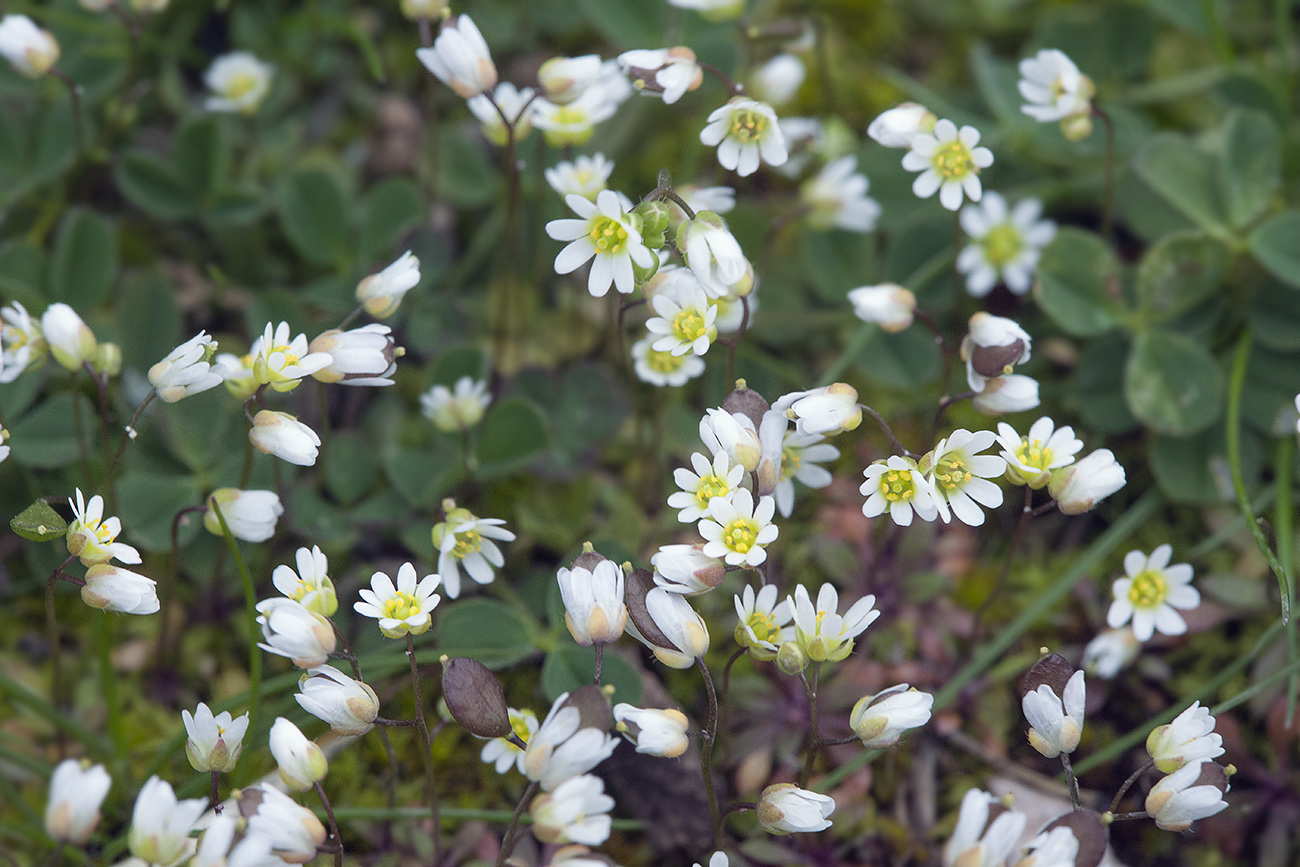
<point>467,542</point>
<point>240,85</point>
<point>1034,454</point>
<point>664,362</point>
<point>688,325</point>
<point>1002,245</point>
<point>896,486</point>
<point>710,487</point>
<point>519,725</point>
<point>608,236</point>
<point>101,533</point>
<point>401,606</point>
<point>569,116</point>
<point>953,161</point>
<point>1148,589</point>
<point>951,473</point>
<point>740,535</point>
<point>763,625</point>
<point>790,463</point>
<point>748,125</point>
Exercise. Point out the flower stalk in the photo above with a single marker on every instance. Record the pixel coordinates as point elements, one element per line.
<point>250,607</point>
<point>430,784</point>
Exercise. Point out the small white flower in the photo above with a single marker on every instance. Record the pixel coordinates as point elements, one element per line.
<point>586,176</point>
<point>349,706</point>
<point>1058,847</point>
<point>560,749</point>
<point>712,10</point>
<point>764,623</point>
<point>959,475</point>
<point>362,356</point>
<point>663,368</point>
<point>738,530</point>
<point>784,808</point>
<point>1189,738</point>
<point>897,485</point>
<point>1005,245</point>
<point>685,321</point>
<point>881,719</point>
<point>460,58</point>
<point>733,433</point>
<point>699,488</point>
<point>380,294</point>
<point>283,436</point>
<point>113,588</point>
<point>829,409</point>
<point>1151,592</point>
<point>576,811</point>
<point>310,586</point>
<point>605,232</point>
<point>593,602</point>
<point>161,825</point>
<point>517,105</point>
<point>281,360</point>
<point>717,859</point>
<point>1078,487</point>
<point>1011,393</point>
<point>564,79</point>
<point>899,126</point>
<point>800,456</point>
<point>653,731</point>
<point>779,79</point>
<point>712,253</point>
<point>992,347</point>
<point>664,72</point>
<point>679,623</point>
<point>888,305</point>
<point>70,340</point>
<point>406,608</point>
<point>458,410</point>
<point>1055,721</point>
<point>1110,651</point>
<point>1194,791</point>
<point>76,793</point>
<point>301,762</point>
<point>836,198</point>
<point>92,538</point>
<point>501,753</point>
<point>214,742</point>
<point>1054,87</point>
<point>1031,458</point>
<point>239,82</point>
<point>250,515</point>
<point>22,343</point>
<point>465,539</point>
<point>949,163</point>
<point>744,130</point>
<point>972,844</point>
<point>573,124</point>
<point>686,570</point>
<point>236,372</point>
<point>185,370</point>
<point>31,51</point>
<point>822,633</point>
<point>304,637</point>
<point>294,832</point>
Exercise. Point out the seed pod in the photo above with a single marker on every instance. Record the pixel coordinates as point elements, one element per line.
<point>593,707</point>
<point>994,361</point>
<point>638,584</point>
<point>1089,831</point>
<point>747,402</point>
<point>475,698</point>
<point>589,559</point>
<point>1053,670</point>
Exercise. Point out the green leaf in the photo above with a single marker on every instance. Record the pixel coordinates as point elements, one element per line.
<point>1078,282</point>
<point>1173,384</point>
<point>1276,244</point>
<point>569,666</point>
<point>351,466</point>
<point>903,360</point>
<point>1180,271</point>
<point>154,186</point>
<point>1194,470</point>
<point>22,273</point>
<point>513,431</point>
<point>313,210</point>
<point>592,407</point>
<point>422,475</point>
<point>457,362</point>
<point>1098,386</point>
<point>235,206</point>
<point>1275,317</point>
<point>146,310</point>
<point>1268,395</point>
<point>84,263</point>
<point>1250,165</point>
<point>486,630</point>
<point>391,208</point>
<point>201,157</point>
<point>46,437</point>
<point>626,24</point>
<point>39,523</point>
<point>1183,176</point>
<point>465,176</point>
<point>149,502</point>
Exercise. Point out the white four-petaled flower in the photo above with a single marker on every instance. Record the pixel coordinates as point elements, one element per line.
<point>737,530</point>
<point>605,232</point>
<point>823,634</point>
<point>960,475</point>
<point>896,484</point>
<point>401,609</point>
<point>949,163</point>
<point>1055,721</point>
<point>1004,244</point>
<point>465,539</point>
<point>460,58</point>
<point>93,538</point>
<point>1151,592</point>
<point>745,130</point>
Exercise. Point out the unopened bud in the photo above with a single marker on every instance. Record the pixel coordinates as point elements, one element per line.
<point>108,359</point>
<point>790,659</point>
<point>475,697</point>
<point>1076,127</point>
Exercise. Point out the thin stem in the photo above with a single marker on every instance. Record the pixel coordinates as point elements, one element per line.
<point>734,339</point>
<point>395,723</point>
<point>733,88</point>
<point>1012,547</point>
<point>168,588</point>
<point>250,612</point>
<point>508,838</point>
<point>79,424</point>
<point>1073,780</point>
<point>426,32</point>
<point>217,806</point>
<point>1284,531</point>
<point>430,790</point>
<point>128,434</point>
<point>1133,778</point>
<point>334,825</point>
<point>74,92</point>
<point>600,647</point>
<point>706,753</point>
<point>894,443</point>
<point>810,689</point>
<point>108,684</point>
<point>1108,196</point>
<point>1121,817</point>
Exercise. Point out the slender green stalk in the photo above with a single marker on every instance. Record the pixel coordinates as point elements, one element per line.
<point>250,608</point>
<point>1072,779</point>
<point>430,784</point>
<point>110,474</point>
<point>329,813</point>
<point>1218,34</point>
<point>79,425</point>
<point>108,684</point>
<point>78,125</point>
<point>1013,546</point>
<point>706,753</point>
<point>1108,194</point>
<point>1283,526</point>
<point>1133,778</point>
<point>508,838</point>
<point>814,728</point>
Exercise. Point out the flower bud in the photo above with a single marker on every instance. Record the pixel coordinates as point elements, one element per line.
<point>1053,697</point>
<point>282,435</point>
<point>76,792</point>
<point>897,127</point>
<point>827,410</point>
<point>250,515</point>
<point>214,742</point>
<point>186,370</point>
<point>112,588</point>
<point>460,58</point>
<point>880,720</point>
<point>1076,127</point>
<point>1194,791</point>
<point>593,603</point>
<point>791,659</point>
<point>107,360</point>
<point>654,218</point>
<point>31,51</point>
<point>349,706</point>
<point>70,341</point>
<point>685,569</point>
<point>1189,738</point>
<point>302,763</point>
<point>294,831</point>
<point>654,732</point>
<point>888,305</point>
<point>381,293</point>
<point>304,637</point>
<point>668,625</point>
<point>475,697</point>
<point>1078,487</point>
<point>784,808</point>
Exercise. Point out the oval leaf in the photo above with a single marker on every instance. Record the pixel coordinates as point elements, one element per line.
<point>1078,278</point>
<point>513,431</point>
<point>39,523</point>
<point>569,666</point>
<point>1184,177</point>
<point>85,259</point>
<point>313,211</point>
<point>1251,165</point>
<point>1173,384</point>
<point>486,630</point>
<point>1276,244</point>
<point>1180,271</point>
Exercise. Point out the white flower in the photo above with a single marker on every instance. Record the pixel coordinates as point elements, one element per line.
<point>829,409</point>
<point>699,488</point>
<point>4,449</point>
<point>586,176</point>
<point>214,847</point>
<point>881,719</point>
<point>76,793</point>
<point>743,131</point>
<point>576,811</point>
<point>992,347</point>
<point>897,485</point>
<point>1151,592</point>
<point>150,6</point>
<point>653,731</point>
<point>733,433</point>
<point>239,81</point>
<point>1078,487</point>
<point>564,79</point>
<point>1054,87</point>
<point>113,588</point>
<point>1031,458</point>
<point>460,58</point>
<point>784,808</point>
<point>593,602</point>
<point>685,320</point>
<point>899,126</point>
<point>406,608</point>
<point>465,539</point>
<point>685,569</point>
<point>888,305</point>
<point>22,343</point>
<point>250,515</point>
<point>738,530</point>
<point>712,10</point>
<point>301,762</point>
<point>236,372</point>
<point>560,749</point>
<point>70,341</point>
<point>664,72</point>
<point>185,370</point>
<point>304,637</point>
<point>800,456</point>
<point>679,624</point>
<point>1011,393</point>
<point>664,368</point>
<point>1194,791</point>
<point>717,859</point>
<point>310,586</point>
<point>573,124</point>
<point>836,198</point>
<point>949,163</point>
<point>959,475</point>
<point>29,49</point>
<point>455,411</point>
<point>1055,721</point>
<point>502,753</point>
<point>349,706</point>
<point>1057,847</point>
<point>1004,245</point>
<point>712,253</point>
<point>779,79</point>
<point>283,436</point>
<point>362,356</point>
<point>719,200</point>
<point>294,832</point>
<point>1189,738</point>
<point>974,845</point>
<point>823,634</point>
<point>214,742</point>
<point>161,825</point>
<point>417,9</point>
<point>281,361</point>
<point>764,624</point>
<point>381,293</point>
<point>605,232</point>
<point>1110,651</point>
<point>92,537</point>
<point>517,105</point>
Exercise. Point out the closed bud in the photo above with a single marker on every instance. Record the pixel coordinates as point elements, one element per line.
<point>1076,127</point>
<point>646,274</point>
<point>791,659</point>
<point>880,720</point>
<point>475,697</point>
<point>654,217</point>
<point>1194,791</point>
<point>107,360</point>
<point>653,731</point>
<point>785,808</point>
<point>214,742</point>
<point>349,706</point>
<point>1053,702</point>
<point>302,763</point>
